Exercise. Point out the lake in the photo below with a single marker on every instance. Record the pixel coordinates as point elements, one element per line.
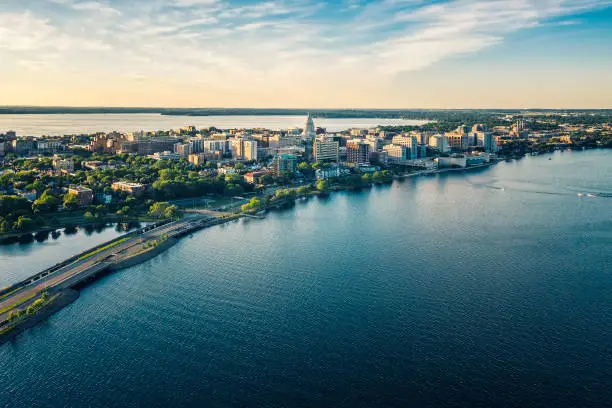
<point>54,125</point>
<point>483,289</point>
<point>20,260</point>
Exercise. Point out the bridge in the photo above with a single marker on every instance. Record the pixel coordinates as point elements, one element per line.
<point>88,265</point>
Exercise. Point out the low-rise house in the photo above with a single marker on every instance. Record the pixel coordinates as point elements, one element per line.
<point>134,189</point>
<point>84,195</point>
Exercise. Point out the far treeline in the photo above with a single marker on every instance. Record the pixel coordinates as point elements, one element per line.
<point>452,116</point>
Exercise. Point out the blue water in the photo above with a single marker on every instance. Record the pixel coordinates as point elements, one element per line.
<point>487,289</point>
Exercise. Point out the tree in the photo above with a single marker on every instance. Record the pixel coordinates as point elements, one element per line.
<point>354,180</point>
<point>233,179</point>
<point>71,201</point>
<point>239,166</point>
<point>233,189</point>
<point>305,168</point>
<point>47,203</point>
<point>171,212</point>
<point>252,205</point>
<point>24,224</point>
<point>323,186</point>
<point>163,210</point>
<point>267,179</point>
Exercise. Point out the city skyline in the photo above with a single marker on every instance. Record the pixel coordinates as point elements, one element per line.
<point>354,53</point>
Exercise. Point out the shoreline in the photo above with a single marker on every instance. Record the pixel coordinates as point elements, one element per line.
<point>65,297</point>
<point>70,294</point>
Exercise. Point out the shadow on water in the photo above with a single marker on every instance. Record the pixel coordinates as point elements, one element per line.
<point>42,236</point>
<point>69,230</point>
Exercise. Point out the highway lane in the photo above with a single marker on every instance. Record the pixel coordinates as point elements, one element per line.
<point>29,291</point>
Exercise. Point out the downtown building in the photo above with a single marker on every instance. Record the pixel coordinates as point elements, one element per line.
<point>395,153</point>
<point>285,163</point>
<point>244,149</point>
<point>439,142</point>
<point>309,128</point>
<point>459,139</point>
<point>326,149</point>
<point>357,152</point>
<point>410,143</point>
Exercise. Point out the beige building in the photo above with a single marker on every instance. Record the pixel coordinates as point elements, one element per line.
<point>134,189</point>
<point>84,194</point>
<point>63,164</point>
<point>326,149</point>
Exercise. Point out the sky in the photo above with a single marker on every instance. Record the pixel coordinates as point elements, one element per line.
<point>307,53</point>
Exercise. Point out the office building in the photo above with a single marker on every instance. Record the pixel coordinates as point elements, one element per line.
<point>395,153</point>
<point>285,163</point>
<point>357,152</point>
<point>325,149</point>
<point>439,142</point>
<point>410,143</point>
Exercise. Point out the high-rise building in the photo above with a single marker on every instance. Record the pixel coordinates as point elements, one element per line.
<point>154,145</point>
<point>439,142</point>
<point>459,139</point>
<point>285,163</point>
<point>489,143</point>
<point>410,143</point>
<point>214,145</point>
<point>309,128</point>
<point>325,149</point>
<point>182,149</point>
<point>357,152</point>
<point>244,149</point>
<point>196,144</point>
<point>395,153</point>
<point>250,150</point>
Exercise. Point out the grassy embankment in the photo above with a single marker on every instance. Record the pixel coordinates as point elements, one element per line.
<point>104,248</point>
<point>17,304</point>
<point>19,316</point>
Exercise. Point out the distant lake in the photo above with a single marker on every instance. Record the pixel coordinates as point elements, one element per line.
<point>57,125</point>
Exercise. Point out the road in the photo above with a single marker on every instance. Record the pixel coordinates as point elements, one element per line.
<point>27,293</point>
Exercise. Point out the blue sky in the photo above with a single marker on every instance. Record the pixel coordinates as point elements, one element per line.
<point>307,53</point>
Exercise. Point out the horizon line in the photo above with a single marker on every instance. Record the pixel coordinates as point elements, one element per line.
<point>300,108</point>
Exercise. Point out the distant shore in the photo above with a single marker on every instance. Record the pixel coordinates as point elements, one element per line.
<point>319,113</point>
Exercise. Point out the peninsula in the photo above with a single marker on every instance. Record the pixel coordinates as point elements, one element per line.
<point>182,180</point>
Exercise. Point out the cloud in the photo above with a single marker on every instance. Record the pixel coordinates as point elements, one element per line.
<point>95,7</point>
<point>268,40</point>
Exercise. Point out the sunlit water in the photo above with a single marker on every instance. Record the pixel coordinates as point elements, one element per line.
<point>39,125</point>
<point>484,289</point>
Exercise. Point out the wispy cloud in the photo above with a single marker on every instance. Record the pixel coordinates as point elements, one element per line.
<point>276,40</point>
